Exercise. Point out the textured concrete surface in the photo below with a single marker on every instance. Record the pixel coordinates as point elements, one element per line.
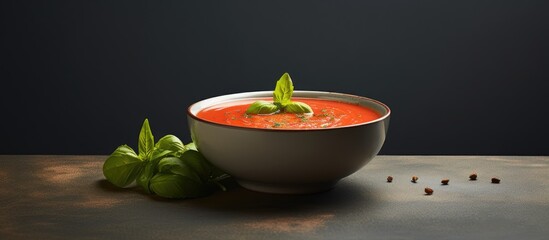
<point>66,197</point>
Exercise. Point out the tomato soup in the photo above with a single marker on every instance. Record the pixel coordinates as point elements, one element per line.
<point>327,114</point>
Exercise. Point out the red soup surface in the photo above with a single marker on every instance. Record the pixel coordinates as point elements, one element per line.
<point>327,114</point>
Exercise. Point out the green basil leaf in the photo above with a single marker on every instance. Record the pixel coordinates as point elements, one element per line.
<point>191,146</point>
<point>122,167</point>
<point>198,163</point>
<point>146,141</point>
<point>262,107</point>
<point>298,108</point>
<point>206,170</point>
<point>283,90</point>
<point>175,165</point>
<point>177,186</point>
<point>158,154</point>
<point>145,177</point>
<point>172,143</point>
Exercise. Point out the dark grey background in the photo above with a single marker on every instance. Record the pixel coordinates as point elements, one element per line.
<point>462,77</point>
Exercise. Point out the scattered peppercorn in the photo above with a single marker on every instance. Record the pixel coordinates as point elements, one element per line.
<point>473,177</point>
<point>428,191</point>
<point>445,181</point>
<point>389,179</point>
<point>414,179</point>
<point>495,180</point>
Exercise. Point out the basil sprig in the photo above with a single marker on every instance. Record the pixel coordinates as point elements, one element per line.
<point>168,168</point>
<point>282,100</point>
<point>263,107</point>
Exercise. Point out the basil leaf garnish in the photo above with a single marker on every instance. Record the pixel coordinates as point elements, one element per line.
<point>283,90</point>
<point>298,108</point>
<point>122,167</point>
<point>262,107</point>
<point>282,100</point>
<point>146,140</point>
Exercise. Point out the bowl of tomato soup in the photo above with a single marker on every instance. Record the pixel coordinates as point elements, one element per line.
<point>286,152</point>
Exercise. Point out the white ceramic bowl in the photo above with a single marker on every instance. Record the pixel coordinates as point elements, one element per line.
<point>289,161</point>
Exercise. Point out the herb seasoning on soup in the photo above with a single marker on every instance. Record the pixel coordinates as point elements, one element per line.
<point>326,114</point>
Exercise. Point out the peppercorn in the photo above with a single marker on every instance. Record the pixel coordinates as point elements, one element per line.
<point>445,181</point>
<point>414,179</point>
<point>473,177</point>
<point>428,191</point>
<point>389,179</point>
<point>495,180</point>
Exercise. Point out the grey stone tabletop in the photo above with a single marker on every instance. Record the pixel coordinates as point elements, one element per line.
<point>67,197</point>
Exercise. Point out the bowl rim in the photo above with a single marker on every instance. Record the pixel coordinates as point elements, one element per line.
<point>382,118</point>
